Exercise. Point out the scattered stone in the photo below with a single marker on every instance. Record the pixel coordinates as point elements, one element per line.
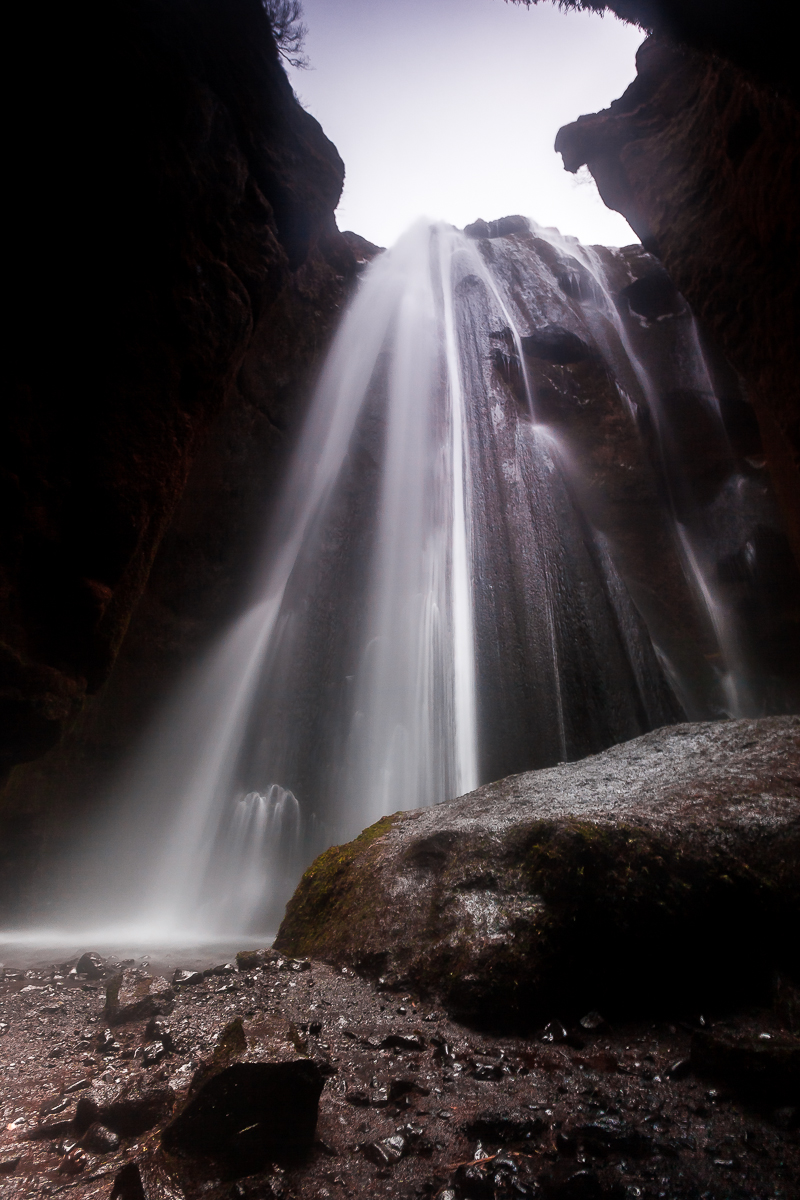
<point>107,1043</point>
<point>223,969</point>
<point>77,1086</point>
<point>249,960</point>
<point>606,1135</point>
<point>592,1022</point>
<point>397,1041</point>
<point>100,1139</point>
<point>91,965</point>
<point>73,1163</point>
<point>134,996</point>
<point>386,1152</point>
<point>127,1111</point>
<point>9,1165</point>
<point>153,1053</point>
<point>186,978</point>
<point>398,1088</point>
<point>248,1115</point>
<point>159,1030</point>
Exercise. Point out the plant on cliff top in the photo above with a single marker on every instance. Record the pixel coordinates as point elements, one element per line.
<point>286,19</point>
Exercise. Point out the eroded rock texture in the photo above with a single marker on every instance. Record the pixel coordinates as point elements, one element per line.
<point>625,881</point>
<point>176,271</point>
<point>168,190</point>
<point>701,158</point>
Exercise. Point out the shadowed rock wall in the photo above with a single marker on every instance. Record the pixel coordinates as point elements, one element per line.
<point>701,157</point>
<point>175,271</point>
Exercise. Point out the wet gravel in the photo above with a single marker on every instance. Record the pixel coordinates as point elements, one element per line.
<point>413,1104</point>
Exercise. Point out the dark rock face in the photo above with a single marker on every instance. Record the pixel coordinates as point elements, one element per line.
<point>249,1115</point>
<point>168,189</point>
<point>661,871</point>
<point>205,272</point>
<point>701,158</point>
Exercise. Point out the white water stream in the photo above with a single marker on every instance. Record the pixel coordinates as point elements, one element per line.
<point>433,609</point>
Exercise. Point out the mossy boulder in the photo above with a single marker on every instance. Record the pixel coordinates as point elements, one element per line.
<point>662,872</point>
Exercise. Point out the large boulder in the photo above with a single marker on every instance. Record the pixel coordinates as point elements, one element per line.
<point>661,873</point>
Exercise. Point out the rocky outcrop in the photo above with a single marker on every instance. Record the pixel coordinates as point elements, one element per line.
<point>168,192</point>
<point>737,30</point>
<point>701,158</point>
<point>662,872</point>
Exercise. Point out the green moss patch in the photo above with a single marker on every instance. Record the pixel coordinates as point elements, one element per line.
<point>331,894</point>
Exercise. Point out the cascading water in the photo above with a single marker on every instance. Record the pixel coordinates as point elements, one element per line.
<point>451,590</point>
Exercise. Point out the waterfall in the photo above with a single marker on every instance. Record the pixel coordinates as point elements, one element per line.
<point>450,589</point>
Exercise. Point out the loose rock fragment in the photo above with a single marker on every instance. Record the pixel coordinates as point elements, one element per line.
<point>248,1115</point>
<point>100,1139</point>
<point>134,995</point>
<point>92,965</point>
<point>153,1053</point>
<point>187,978</point>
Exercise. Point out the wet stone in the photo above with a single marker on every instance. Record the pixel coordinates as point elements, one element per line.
<point>248,1115</point>
<point>187,978</point>
<point>158,1030</point>
<point>396,1041</point>
<point>134,996</point>
<point>592,1022</point>
<point>386,1152</point>
<point>100,1139</point>
<point>107,1043</point>
<point>91,965</point>
<point>153,1052</point>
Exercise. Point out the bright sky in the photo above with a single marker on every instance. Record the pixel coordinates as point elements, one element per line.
<point>449,109</point>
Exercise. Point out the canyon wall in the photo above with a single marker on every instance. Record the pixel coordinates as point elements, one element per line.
<point>702,156</point>
<point>702,160</point>
<point>175,272</point>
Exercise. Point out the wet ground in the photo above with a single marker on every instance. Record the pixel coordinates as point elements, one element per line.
<point>413,1104</point>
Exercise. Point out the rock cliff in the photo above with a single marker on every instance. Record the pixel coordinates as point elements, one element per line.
<point>175,271</point>
<point>701,157</point>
